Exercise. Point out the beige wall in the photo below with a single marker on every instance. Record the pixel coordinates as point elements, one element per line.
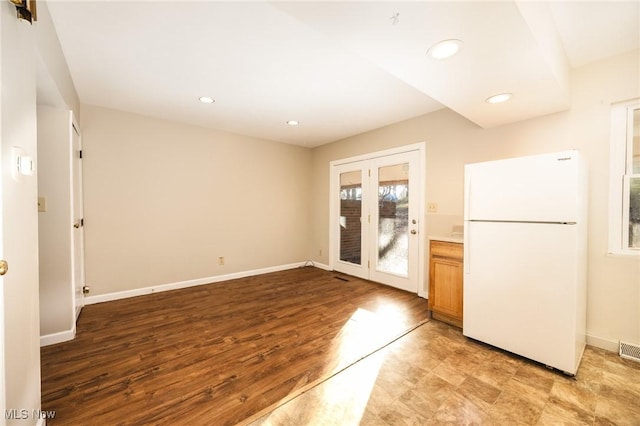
<point>19,229</point>
<point>164,200</point>
<point>452,141</point>
<point>57,310</point>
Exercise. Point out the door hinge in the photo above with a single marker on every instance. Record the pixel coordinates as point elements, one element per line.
<point>80,153</point>
<point>369,219</point>
<point>369,172</point>
<point>368,264</point>
<point>82,222</point>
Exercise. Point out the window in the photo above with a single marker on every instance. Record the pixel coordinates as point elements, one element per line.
<point>624,201</point>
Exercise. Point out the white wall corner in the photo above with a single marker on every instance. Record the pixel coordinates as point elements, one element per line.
<point>322,266</point>
<point>62,336</point>
<point>541,23</point>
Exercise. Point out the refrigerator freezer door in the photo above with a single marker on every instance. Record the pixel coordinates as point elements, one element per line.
<point>520,290</point>
<point>542,188</point>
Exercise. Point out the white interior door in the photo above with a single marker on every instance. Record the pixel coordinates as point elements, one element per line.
<point>78,222</point>
<point>375,219</point>
<point>3,400</point>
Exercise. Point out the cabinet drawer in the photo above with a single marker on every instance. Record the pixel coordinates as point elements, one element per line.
<point>446,249</point>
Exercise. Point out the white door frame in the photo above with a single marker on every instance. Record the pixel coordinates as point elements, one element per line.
<point>351,162</point>
<point>3,343</point>
<point>77,211</point>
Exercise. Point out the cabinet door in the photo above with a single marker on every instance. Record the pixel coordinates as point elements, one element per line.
<point>446,277</point>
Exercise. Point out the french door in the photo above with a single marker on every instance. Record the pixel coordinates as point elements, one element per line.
<point>375,219</point>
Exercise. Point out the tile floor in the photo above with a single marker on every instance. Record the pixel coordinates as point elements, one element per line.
<point>434,375</point>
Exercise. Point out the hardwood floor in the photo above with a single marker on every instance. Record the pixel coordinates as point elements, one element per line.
<point>220,353</point>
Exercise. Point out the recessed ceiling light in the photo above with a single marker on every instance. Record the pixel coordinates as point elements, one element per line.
<point>496,99</point>
<point>445,49</point>
<point>293,122</point>
<point>206,99</point>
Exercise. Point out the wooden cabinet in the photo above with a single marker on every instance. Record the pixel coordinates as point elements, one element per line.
<point>445,281</point>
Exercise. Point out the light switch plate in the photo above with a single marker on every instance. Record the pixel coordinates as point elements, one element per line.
<point>432,207</point>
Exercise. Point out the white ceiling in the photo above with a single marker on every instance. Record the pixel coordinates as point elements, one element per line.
<point>340,68</point>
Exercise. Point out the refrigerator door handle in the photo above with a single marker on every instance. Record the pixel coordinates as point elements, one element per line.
<point>466,259</point>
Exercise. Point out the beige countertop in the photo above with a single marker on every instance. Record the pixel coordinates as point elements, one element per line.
<point>450,239</point>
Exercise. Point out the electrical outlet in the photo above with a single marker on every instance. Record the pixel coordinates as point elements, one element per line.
<point>221,261</point>
<point>432,207</point>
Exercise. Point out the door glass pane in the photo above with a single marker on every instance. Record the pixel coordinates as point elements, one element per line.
<point>350,214</point>
<point>393,219</point>
<point>634,183</point>
<point>634,213</point>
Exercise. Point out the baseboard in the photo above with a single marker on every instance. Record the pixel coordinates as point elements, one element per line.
<point>90,300</point>
<point>62,336</point>
<point>322,266</point>
<point>602,343</point>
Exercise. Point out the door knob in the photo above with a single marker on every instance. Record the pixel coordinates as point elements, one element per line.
<point>76,225</point>
<point>4,267</point>
<point>414,232</point>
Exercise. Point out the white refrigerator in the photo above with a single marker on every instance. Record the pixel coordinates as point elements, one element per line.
<point>525,242</point>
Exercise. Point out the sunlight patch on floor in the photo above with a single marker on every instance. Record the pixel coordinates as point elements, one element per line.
<point>346,396</point>
<point>360,352</point>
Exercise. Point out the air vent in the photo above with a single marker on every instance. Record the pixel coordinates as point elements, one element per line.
<point>630,351</point>
<point>341,279</point>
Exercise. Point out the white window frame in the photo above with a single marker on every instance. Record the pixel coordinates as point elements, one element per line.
<point>620,174</point>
